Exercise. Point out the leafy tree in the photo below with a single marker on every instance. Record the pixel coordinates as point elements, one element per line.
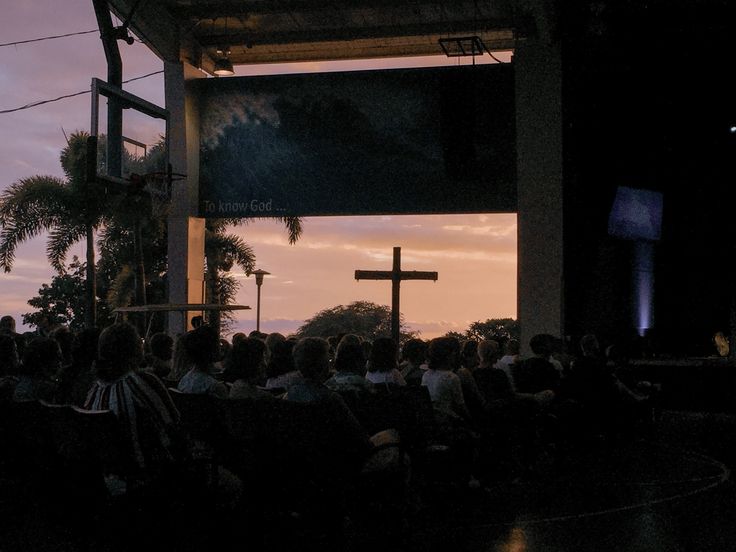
<point>67,208</point>
<point>500,329</point>
<point>70,209</point>
<point>63,301</point>
<point>362,318</point>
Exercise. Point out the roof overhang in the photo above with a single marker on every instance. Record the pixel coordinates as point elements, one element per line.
<point>268,31</point>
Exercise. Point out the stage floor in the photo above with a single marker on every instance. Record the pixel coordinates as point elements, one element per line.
<point>671,492</point>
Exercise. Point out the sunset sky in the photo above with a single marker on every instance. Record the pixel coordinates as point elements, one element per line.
<point>475,255</point>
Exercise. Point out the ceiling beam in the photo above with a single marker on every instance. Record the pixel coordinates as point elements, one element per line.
<point>352,33</point>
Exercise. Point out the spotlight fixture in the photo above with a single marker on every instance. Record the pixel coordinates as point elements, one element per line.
<point>223,65</point>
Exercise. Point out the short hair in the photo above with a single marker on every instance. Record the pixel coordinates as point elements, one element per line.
<point>245,360</point>
<point>238,337</point>
<point>119,349</point>
<point>488,349</point>
<point>162,345</point>
<point>272,339</point>
<point>350,338</point>
<point>415,351</point>
<point>470,349</point>
<point>349,357</point>
<point>7,324</point>
<point>383,355</point>
<point>202,345</point>
<point>311,357</point>
<point>589,344</point>
<point>513,347</point>
<point>540,345</point>
<point>443,352</point>
<point>39,355</point>
<point>281,359</point>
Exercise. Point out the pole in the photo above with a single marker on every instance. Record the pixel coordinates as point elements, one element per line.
<point>258,309</point>
<point>395,292</point>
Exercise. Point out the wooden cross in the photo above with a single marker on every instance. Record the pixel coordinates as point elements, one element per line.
<point>395,275</point>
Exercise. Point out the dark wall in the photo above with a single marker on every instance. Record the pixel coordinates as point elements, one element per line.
<point>648,103</point>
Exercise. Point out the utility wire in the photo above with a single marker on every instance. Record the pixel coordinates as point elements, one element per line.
<point>65,96</point>
<point>48,38</point>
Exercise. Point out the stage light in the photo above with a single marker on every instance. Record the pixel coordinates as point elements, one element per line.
<point>223,65</point>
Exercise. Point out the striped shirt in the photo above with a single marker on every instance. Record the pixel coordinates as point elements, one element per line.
<point>145,411</point>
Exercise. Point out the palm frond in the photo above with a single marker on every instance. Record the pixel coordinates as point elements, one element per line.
<point>27,208</point>
<point>293,228</point>
<point>230,249</point>
<point>61,237</point>
<point>122,288</point>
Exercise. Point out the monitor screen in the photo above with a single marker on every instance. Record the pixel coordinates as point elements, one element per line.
<point>636,214</point>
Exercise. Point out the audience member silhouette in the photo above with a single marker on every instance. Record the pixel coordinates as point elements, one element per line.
<point>7,327</point>
<point>38,371</point>
<point>9,364</point>
<point>474,400</point>
<point>162,350</point>
<point>201,347</point>
<point>245,367</point>
<point>281,371</point>
<point>444,386</point>
<point>76,379</point>
<point>414,361</point>
<point>537,373</point>
<point>383,363</point>
<point>145,412</point>
<point>511,357</point>
<point>350,368</point>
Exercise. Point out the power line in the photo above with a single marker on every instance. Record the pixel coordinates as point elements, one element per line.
<point>48,38</point>
<point>65,96</point>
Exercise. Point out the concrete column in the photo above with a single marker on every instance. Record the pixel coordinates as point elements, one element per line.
<point>186,232</point>
<point>539,174</point>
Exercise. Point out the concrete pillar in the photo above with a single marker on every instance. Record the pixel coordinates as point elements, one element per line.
<point>539,174</point>
<point>185,231</point>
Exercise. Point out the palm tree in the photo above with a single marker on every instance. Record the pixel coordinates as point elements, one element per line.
<point>69,209</point>
<point>223,251</point>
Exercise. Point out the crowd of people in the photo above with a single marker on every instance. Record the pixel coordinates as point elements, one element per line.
<point>494,410</point>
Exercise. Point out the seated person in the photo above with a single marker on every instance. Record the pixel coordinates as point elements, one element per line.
<point>9,365</point>
<point>537,373</point>
<point>414,361</point>
<point>312,359</point>
<point>474,399</point>
<point>245,367</point>
<point>201,347</point>
<point>38,371</point>
<point>75,379</point>
<point>7,327</point>
<point>383,363</point>
<point>606,401</point>
<point>349,368</point>
<point>511,357</point>
<point>281,372</point>
<point>144,409</point>
<point>444,386</point>
<point>162,348</point>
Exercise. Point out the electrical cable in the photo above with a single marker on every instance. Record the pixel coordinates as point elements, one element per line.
<point>48,38</point>
<point>65,96</point>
